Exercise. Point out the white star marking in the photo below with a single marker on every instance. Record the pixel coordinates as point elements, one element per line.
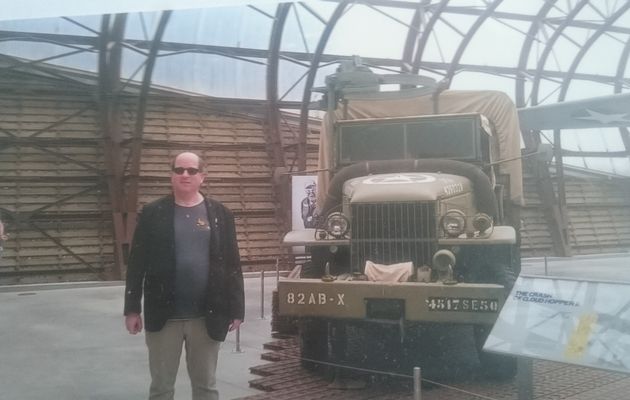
<point>605,118</point>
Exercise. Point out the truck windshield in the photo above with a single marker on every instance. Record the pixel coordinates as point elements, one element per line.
<point>459,138</point>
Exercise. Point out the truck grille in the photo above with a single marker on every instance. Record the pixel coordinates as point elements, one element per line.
<point>388,233</point>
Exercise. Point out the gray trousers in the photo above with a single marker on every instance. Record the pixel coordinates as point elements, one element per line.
<point>165,349</point>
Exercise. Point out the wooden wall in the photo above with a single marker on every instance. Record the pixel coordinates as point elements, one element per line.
<point>599,216</point>
<point>54,198</point>
<point>53,193</point>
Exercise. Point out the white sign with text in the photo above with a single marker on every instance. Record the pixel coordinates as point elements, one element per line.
<point>572,321</point>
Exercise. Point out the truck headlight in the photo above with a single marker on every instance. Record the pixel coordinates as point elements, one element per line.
<point>454,223</point>
<point>482,222</point>
<point>337,225</point>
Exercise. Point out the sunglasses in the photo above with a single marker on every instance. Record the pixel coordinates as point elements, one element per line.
<point>181,170</point>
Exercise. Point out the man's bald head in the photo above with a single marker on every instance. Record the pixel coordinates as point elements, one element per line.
<point>201,165</point>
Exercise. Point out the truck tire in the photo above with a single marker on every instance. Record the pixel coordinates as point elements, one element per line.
<point>281,324</point>
<point>313,343</point>
<point>496,366</point>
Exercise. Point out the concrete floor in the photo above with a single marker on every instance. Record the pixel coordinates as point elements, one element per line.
<point>67,341</point>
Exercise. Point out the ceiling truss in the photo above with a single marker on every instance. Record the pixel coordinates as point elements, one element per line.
<point>122,159</point>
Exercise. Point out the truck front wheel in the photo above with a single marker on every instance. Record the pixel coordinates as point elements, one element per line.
<point>313,342</point>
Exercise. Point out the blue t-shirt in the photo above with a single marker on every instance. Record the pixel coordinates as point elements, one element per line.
<point>192,260</point>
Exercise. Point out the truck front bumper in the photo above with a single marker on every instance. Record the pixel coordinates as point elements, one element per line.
<point>382,301</point>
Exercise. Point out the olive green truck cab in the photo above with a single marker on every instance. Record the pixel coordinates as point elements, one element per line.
<point>415,227</point>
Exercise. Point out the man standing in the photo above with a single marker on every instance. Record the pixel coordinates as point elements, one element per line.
<point>184,259</point>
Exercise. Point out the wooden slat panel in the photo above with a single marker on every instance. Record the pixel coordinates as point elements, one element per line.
<point>599,217</point>
<point>240,171</point>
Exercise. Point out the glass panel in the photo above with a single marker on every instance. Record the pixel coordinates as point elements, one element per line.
<point>454,138</point>
<point>376,142</point>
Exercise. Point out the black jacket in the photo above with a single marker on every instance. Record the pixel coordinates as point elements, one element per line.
<point>152,268</point>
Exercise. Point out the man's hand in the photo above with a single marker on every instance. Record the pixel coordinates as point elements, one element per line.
<point>133,322</point>
<point>235,324</point>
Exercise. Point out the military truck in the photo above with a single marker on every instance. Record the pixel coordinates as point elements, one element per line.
<point>419,223</point>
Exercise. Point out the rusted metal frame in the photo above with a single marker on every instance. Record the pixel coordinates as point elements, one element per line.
<point>612,154</point>
<point>378,10</point>
<point>46,71</point>
<point>281,183</point>
<point>14,140</point>
<point>621,68</point>
<point>313,12</point>
<point>294,61</point>
<point>525,17</point>
<point>8,133</point>
<point>411,40</point>
<point>87,179</point>
<point>426,33</point>
<point>226,55</point>
<point>310,79</point>
<point>453,27</point>
<point>55,240</point>
<point>299,23</point>
<point>110,57</point>
<point>561,203</point>
<point>44,40</point>
<point>587,45</point>
<point>258,10</point>
<point>519,91</point>
<point>296,57</point>
<point>561,97</point>
<point>549,200</point>
<point>64,199</point>
<point>546,191</point>
<point>384,3</point>
<point>259,104</point>
<point>136,145</point>
<point>542,60</point>
<point>25,141</point>
<point>294,85</point>
<point>464,43</point>
<point>77,23</point>
<point>273,116</point>
<point>133,75</point>
<point>56,38</point>
<point>26,217</point>
<point>544,184</point>
<point>428,65</point>
<point>63,39</point>
<point>41,60</point>
<point>61,121</point>
<point>44,149</point>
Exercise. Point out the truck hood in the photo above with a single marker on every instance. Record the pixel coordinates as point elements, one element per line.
<point>403,187</point>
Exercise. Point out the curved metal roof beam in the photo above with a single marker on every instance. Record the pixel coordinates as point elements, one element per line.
<point>464,43</point>
<point>411,40</point>
<point>136,146</point>
<point>519,90</point>
<point>109,67</point>
<point>549,47</point>
<point>310,79</point>
<point>586,47</point>
<point>621,68</point>
<point>273,61</point>
<point>424,36</point>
